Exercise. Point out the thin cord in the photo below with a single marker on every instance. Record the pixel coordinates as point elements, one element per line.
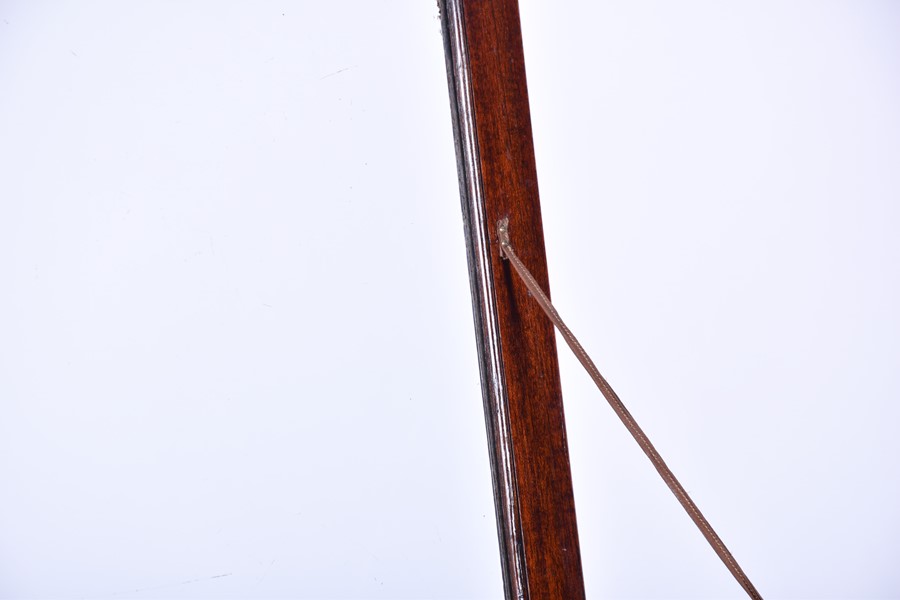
<point>619,408</point>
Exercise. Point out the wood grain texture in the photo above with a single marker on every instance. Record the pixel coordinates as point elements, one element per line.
<point>517,347</point>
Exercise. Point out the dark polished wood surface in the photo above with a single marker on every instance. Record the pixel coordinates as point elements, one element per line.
<point>517,347</point>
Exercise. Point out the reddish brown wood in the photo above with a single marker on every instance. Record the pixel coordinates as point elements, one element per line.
<point>520,372</point>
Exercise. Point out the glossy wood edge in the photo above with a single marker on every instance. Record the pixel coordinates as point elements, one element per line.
<point>484,304</point>
<point>522,395</point>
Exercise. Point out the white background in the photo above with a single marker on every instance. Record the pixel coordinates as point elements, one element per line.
<point>235,325</point>
<point>236,349</point>
<point>721,194</point>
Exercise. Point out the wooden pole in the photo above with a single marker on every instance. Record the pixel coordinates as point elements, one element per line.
<point>516,345</point>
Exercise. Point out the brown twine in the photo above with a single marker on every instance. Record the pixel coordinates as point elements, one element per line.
<point>506,251</point>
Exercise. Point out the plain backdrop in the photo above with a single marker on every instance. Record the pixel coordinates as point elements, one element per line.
<point>236,347</point>
<point>721,194</point>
